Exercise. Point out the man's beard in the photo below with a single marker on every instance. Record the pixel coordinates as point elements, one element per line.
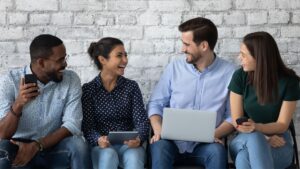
<point>193,59</point>
<point>54,77</point>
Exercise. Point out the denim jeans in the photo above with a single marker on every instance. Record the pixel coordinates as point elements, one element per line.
<point>252,150</point>
<point>118,156</point>
<point>71,152</point>
<point>164,154</point>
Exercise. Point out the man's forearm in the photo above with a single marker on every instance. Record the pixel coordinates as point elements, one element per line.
<point>55,137</point>
<point>155,121</point>
<point>9,124</point>
<point>224,129</point>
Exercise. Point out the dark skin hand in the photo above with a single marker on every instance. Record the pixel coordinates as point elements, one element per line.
<point>25,152</point>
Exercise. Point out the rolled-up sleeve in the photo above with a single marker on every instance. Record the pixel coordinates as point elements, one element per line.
<point>72,117</point>
<point>7,94</point>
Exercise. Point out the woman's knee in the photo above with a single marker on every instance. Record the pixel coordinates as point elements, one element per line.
<point>134,154</point>
<point>105,153</point>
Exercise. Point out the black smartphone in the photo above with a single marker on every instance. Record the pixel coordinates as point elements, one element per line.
<point>241,120</point>
<point>30,78</point>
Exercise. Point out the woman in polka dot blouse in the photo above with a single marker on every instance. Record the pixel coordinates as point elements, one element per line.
<point>112,102</point>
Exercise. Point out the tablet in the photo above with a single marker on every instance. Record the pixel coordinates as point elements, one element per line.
<point>118,137</point>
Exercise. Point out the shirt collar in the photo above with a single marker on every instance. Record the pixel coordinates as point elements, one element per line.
<point>209,68</point>
<point>120,81</point>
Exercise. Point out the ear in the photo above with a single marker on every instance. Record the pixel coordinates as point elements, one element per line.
<point>204,46</point>
<point>40,62</point>
<point>102,60</point>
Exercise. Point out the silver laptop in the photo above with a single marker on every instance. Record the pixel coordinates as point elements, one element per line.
<point>188,125</point>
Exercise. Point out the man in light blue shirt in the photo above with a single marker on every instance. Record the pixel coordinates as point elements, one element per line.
<point>40,120</point>
<point>197,82</point>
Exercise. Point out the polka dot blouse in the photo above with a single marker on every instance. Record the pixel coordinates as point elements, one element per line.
<point>122,109</point>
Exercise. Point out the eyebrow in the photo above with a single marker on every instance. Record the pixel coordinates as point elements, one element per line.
<point>121,53</point>
<point>184,42</point>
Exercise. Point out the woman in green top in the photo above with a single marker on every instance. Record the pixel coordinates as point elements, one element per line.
<point>265,91</point>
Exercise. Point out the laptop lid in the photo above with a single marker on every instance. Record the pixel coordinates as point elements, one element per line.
<point>188,125</point>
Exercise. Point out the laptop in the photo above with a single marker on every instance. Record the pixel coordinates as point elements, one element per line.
<point>188,125</point>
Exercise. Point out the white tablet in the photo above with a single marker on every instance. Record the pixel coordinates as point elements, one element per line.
<point>118,137</point>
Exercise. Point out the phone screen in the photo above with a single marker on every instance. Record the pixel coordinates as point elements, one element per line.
<point>30,78</point>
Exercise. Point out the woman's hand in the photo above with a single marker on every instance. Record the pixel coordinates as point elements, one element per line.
<point>133,143</point>
<point>246,127</point>
<point>103,142</point>
<point>276,141</point>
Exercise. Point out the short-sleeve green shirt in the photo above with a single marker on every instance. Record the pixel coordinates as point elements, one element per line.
<point>289,90</point>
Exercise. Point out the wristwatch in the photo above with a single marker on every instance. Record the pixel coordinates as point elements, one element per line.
<point>39,143</point>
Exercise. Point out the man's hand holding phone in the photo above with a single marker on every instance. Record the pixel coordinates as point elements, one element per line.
<point>28,89</point>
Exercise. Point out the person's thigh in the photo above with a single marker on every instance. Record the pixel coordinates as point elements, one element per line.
<point>8,152</point>
<point>163,153</point>
<point>104,158</point>
<point>283,156</point>
<point>71,152</point>
<point>255,148</point>
<point>210,155</point>
<point>131,158</point>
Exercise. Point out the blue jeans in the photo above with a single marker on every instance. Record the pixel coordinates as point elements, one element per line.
<point>252,150</point>
<point>118,156</point>
<point>71,152</point>
<point>164,154</point>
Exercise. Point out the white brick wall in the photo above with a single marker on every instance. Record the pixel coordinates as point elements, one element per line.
<point>17,18</point>
<point>148,28</point>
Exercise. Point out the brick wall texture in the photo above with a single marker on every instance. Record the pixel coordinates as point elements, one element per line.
<point>148,28</point>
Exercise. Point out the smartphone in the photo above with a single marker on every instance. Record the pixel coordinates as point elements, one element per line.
<point>241,120</point>
<point>30,78</point>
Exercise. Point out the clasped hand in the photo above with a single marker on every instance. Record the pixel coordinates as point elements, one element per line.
<point>246,127</point>
<point>103,142</point>
<point>25,153</point>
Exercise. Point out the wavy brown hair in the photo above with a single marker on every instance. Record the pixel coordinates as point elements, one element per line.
<point>269,66</point>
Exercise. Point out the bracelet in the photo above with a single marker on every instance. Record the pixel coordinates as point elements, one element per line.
<point>14,113</point>
<point>39,143</point>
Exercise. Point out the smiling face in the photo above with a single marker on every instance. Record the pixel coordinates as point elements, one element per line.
<point>247,60</point>
<point>55,64</point>
<point>190,48</point>
<point>116,62</point>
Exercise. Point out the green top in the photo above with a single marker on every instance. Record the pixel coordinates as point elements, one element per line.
<point>289,90</point>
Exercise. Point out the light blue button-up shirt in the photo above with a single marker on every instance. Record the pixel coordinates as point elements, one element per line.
<point>57,105</point>
<point>183,86</point>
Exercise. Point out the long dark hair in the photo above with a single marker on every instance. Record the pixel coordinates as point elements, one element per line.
<point>103,48</point>
<point>269,66</point>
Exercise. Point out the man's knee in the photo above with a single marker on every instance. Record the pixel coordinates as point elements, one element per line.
<point>76,144</point>
<point>217,151</point>
<point>7,151</point>
<point>3,154</point>
<point>161,145</point>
